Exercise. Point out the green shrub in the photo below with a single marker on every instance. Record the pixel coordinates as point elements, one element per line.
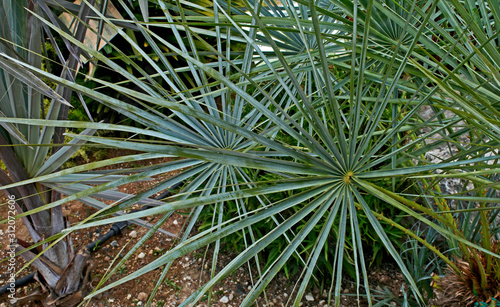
<point>317,118</point>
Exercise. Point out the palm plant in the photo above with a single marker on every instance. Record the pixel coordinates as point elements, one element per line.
<point>60,272</point>
<point>326,97</point>
<point>33,151</point>
<point>477,278</point>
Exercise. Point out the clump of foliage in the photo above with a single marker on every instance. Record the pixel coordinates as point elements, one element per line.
<point>324,103</point>
<point>477,280</point>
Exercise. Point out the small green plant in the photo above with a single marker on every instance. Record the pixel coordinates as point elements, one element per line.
<point>472,276</point>
<point>158,251</point>
<point>173,285</point>
<point>122,269</point>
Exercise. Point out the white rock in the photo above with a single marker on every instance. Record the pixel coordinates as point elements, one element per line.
<point>129,296</point>
<point>141,255</point>
<point>175,222</point>
<point>224,300</point>
<point>133,234</point>
<point>309,297</point>
<point>142,296</point>
<point>231,296</point>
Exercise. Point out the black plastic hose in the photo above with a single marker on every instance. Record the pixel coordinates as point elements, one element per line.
<point>21,282</point>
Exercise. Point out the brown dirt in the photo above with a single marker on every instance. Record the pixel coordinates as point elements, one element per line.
<point>184,277</point>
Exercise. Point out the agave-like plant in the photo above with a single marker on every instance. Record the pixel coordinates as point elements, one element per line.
<point>24,150</point>
<point>31,151</point>
<point>326,97</point>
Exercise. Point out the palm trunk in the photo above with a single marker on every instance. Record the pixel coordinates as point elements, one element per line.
<point>62,273</point>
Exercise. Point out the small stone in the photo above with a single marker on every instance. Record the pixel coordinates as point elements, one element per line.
<point>107,259</point>
<point>142,296</point>
<point>150,252</point>
<point>322,303</point>
<point>3,305</point>
<point>224,300</point>
<point>129,296</point>
<point>111,300</point>
<point>133,234</point>
<point>309,297</point>
<point>384,279</point>
<point>175,222</point>
<point>141,255</point>
<point>231,296</point>
<point>1,234</point>
<point>346,290</point>
<point>114,244</point>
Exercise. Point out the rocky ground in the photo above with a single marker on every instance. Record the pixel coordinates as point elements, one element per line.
<point>186,274</point>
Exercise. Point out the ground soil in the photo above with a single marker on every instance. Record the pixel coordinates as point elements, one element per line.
<point>186,274</point>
